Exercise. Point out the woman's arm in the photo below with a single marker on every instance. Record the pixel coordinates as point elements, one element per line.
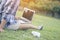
<point>3,22</point>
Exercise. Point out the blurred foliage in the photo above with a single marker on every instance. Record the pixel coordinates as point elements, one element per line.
<point>56,9</point>
<point>52,7</point>
<point>40,5</point>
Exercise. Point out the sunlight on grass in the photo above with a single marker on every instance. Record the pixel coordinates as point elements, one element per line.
<point>51,30</point>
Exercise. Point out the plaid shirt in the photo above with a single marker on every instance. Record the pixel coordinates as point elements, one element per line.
<point>2,2</point>
<point>9,11</point>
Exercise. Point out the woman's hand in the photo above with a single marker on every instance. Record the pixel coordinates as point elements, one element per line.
<point>1,30</point>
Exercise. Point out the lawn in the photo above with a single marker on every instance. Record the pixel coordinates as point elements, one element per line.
<point>51,30</point>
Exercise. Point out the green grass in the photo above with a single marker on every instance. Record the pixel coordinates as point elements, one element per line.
<point>51,30</point>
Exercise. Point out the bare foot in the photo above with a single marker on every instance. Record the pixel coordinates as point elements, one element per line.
<point>1,30</point>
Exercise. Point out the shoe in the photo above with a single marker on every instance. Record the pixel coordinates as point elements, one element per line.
<point>40,27</point>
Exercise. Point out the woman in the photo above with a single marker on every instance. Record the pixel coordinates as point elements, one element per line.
<point>10,21</point>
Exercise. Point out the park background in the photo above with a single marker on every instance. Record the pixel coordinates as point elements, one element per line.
<point>47,13</point>
<point>45,7</point>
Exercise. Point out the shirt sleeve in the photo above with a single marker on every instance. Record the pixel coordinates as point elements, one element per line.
<point>7,3</point>
<point>8,6</point>
<point>2,4</point>
<point>7,9</point>
<point>15,7</point>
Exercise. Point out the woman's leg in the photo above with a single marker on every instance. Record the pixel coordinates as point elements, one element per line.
<point>28,26</point>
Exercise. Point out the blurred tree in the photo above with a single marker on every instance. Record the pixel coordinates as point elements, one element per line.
<point>56,10</point>
<point>42,5</point>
